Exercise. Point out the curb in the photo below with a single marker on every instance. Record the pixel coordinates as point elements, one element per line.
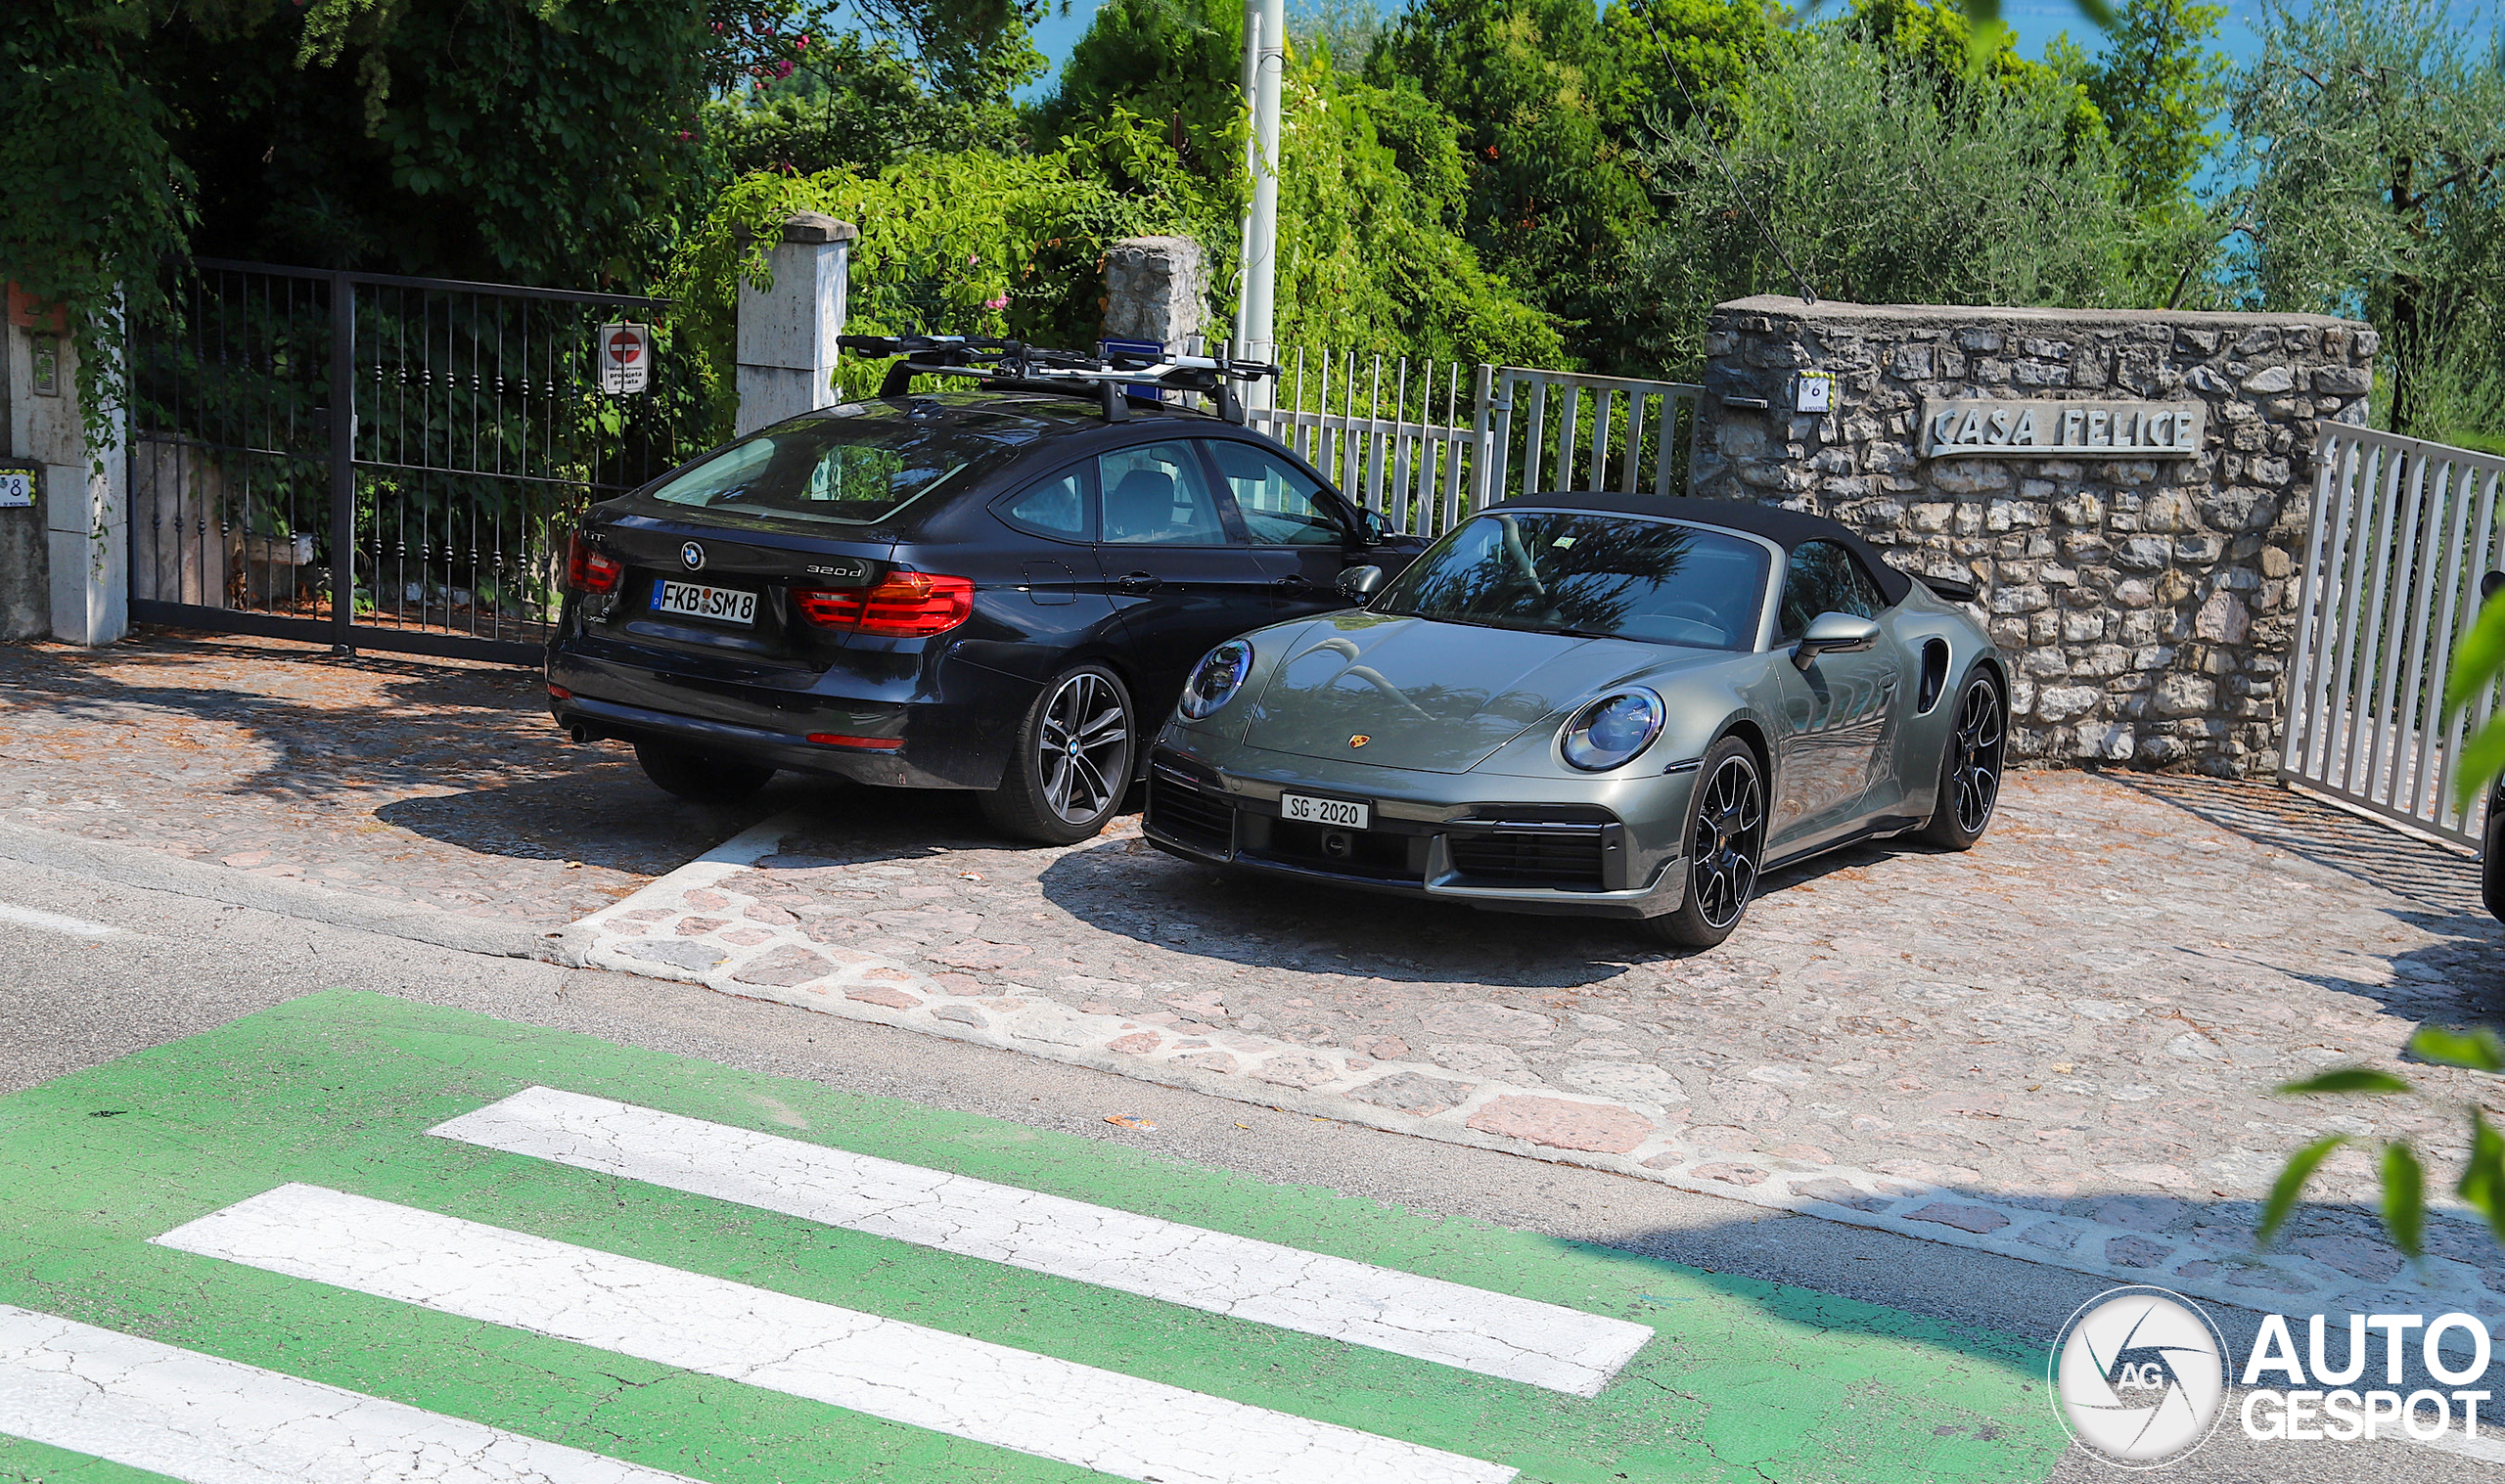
<point>649,933</point>
<point>155,871</point>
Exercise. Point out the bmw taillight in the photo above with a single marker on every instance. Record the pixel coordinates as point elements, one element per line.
<point>903,606</point>
<point>587,571</point>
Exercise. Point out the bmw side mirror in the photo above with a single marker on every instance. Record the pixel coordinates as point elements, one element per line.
<point>1358,583</point>
<point>1837,634</point>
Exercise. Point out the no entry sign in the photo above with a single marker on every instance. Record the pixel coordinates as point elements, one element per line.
<point>625,353</point>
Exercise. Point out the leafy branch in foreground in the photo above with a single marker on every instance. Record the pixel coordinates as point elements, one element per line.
<point>2403,1175</point>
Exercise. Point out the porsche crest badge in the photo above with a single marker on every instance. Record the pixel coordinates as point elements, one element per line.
<point>1359,741</point>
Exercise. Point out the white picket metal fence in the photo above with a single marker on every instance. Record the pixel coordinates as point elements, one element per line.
<point>2403,530</point>
<point>1423,444</point>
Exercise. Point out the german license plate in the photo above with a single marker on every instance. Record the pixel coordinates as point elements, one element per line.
<point>722,605</point>
<point>1306,809</point>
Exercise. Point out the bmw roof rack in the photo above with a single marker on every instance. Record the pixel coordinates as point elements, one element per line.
<point>1111,379</point>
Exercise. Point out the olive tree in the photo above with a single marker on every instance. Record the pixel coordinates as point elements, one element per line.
<point>1880,186</point>
<point>2373,134</point>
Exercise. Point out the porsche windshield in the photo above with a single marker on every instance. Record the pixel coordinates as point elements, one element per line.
<point>1607,576</point>
<point>857,464</point>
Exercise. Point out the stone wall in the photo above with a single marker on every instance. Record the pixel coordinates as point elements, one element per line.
<point>2146,604</point>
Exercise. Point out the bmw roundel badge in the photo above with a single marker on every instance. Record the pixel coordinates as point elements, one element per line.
<point>694,556</point>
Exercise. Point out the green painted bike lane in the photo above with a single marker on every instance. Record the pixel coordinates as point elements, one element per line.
<point>1743,1380</point>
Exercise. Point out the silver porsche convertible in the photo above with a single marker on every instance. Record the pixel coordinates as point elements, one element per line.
<point>1604,705</point>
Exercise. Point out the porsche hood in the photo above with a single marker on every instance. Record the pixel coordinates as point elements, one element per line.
<point>1432,697</point>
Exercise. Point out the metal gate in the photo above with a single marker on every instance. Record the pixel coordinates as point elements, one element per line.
<point>2402,533</point>
<point>476,432</point>
<point>1456,437</point>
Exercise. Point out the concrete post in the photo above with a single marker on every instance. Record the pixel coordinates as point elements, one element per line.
<point>1265,38</point>
<point>87,509</point>
<point>1156,289</point>
<point>787,332</point>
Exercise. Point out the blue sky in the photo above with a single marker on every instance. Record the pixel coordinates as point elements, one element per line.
<point>2036,22</point>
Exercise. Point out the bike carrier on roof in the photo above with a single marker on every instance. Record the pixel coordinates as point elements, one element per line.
<point>1015,365</point>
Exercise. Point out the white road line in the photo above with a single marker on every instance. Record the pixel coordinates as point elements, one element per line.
<point>150,1406</point>
<point>53,922</point>
<point>1494,1333</point>
<point>1100,1420</point>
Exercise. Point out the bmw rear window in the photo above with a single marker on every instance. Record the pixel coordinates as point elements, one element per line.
<point>857,464</point>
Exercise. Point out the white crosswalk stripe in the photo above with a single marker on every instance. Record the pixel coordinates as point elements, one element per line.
<point>1081,1414</point>
<point>206,1421</point>
<point>1427,1318</point>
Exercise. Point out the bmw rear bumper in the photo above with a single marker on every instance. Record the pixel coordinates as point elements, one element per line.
<point>960,740</point>
<point>1528,857</point>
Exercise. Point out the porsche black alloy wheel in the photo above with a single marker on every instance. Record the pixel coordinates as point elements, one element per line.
<point>1072,763</point>
<point>700,776</point>
<point>1725,845</point>
<point>1970,768</point>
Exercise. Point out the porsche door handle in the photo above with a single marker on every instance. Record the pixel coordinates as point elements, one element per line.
<point>1291,583</point>
<point>1137,582</point>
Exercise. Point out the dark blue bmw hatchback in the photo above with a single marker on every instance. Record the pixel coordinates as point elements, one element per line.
<point>985,590</point>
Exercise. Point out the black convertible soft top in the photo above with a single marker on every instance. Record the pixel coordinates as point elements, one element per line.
<point>1786,529</point>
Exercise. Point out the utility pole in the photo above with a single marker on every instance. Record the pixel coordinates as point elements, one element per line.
<point>1265,61</point>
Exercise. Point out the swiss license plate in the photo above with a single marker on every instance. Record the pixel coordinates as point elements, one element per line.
<point>1306,809</point>
<point>722,605</point>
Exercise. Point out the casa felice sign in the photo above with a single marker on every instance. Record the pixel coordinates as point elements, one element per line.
<point>1954,425</point>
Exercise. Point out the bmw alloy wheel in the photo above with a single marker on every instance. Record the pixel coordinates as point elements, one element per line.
<point>1083,748</point>
<point>1729,841</point>
<point>1974,750</point>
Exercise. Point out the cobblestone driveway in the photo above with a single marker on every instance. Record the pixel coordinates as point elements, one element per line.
<point>428,780</point>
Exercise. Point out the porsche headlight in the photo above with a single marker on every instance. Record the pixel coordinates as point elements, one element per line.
<point>1611,730</point>
<point>1215,678</point>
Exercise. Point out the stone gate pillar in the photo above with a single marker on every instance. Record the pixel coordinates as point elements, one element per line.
<point>83,483</point>
<point>787,332</point>
<point>1156,289</point>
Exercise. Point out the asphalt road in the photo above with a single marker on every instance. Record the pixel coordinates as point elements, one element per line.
<point>176,963</point>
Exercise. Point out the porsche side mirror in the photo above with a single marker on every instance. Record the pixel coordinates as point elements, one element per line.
<point>1374,530</point>
<point>1835,633</point>
<point>1358,583</point>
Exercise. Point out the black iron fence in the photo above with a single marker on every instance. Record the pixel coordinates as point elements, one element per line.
<point>481,418</point>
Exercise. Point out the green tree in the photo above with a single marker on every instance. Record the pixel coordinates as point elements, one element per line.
<point>1366,259</point>
<point>1670,51</point>
<point>500,139</point>
<point>2373,135</point>
<point>1945,42</point>
<point>1344,30</point>
<point>1372,191</point>
<point>858,100</point>
<point>1554,194</point>
<point>549,140</point>
<point>1177,63</point>
<point>2161,87</point>
<point>1880,188</point>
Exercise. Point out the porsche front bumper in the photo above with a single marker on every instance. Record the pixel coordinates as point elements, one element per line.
<point>1530,855</point>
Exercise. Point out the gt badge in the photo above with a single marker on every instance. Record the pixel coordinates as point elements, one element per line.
<point>1359,741</point>
<point>694,556</point>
